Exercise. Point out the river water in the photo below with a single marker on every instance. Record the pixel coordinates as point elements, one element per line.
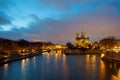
<point>57,66</point>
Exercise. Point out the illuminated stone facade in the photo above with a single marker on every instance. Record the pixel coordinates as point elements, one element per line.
<point>82,41</point>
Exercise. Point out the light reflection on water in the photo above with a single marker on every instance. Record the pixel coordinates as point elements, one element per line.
<point>65,67</point>
<point>57,66</point>
<point>118,74</point>
<point>5,69</point>
<point>23,64</point>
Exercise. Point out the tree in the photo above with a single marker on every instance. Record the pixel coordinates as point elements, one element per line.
<point>70,45</point>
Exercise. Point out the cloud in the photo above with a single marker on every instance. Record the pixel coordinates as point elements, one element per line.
<point>99,19</point>
<point>63,4</point>
<point>96,26</point>
<point>66,4</point>
<point>14,34</point>
<point>5,4</point>
<point>4,19</point>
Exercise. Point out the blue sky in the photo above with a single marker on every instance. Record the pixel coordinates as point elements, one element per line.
<point>59,20</point>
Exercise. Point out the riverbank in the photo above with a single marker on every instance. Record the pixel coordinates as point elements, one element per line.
<point>112,57</point>
<point>9,59</point>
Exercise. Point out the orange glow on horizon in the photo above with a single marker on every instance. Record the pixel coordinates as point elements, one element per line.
<point>36,40</point>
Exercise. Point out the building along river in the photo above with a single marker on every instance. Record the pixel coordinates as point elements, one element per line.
<point>57,66</point>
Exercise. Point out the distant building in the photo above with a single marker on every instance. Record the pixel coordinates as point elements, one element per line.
<point>118,43</point>
<point>109,44</point>
<point>59,46</point>
<point>113,53</point>
<point>116,48</point>
<point>82,41</point>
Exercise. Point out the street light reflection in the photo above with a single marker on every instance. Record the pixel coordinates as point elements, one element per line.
<point>87,62</point>
<point>23,64</point>
<point>93,58</point>
<point>87,58</point>
<point>65,67</point>
<point>6,67</point>
<point>64,57</point>
<point>116,77</point>
<point>56,57</point>
<point>102,69</point>
<point>48,57</point>
<point>119,74</point>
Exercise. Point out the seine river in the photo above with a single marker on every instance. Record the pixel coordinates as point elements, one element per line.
<point>56,66</point>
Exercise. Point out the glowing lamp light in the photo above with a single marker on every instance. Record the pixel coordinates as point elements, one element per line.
<point>102,55</point>
<point>115,47</point>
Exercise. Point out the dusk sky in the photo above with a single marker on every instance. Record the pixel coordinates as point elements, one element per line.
<point>57,21</point>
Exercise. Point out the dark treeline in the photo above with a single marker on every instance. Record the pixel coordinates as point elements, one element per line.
<point>11,47</point>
